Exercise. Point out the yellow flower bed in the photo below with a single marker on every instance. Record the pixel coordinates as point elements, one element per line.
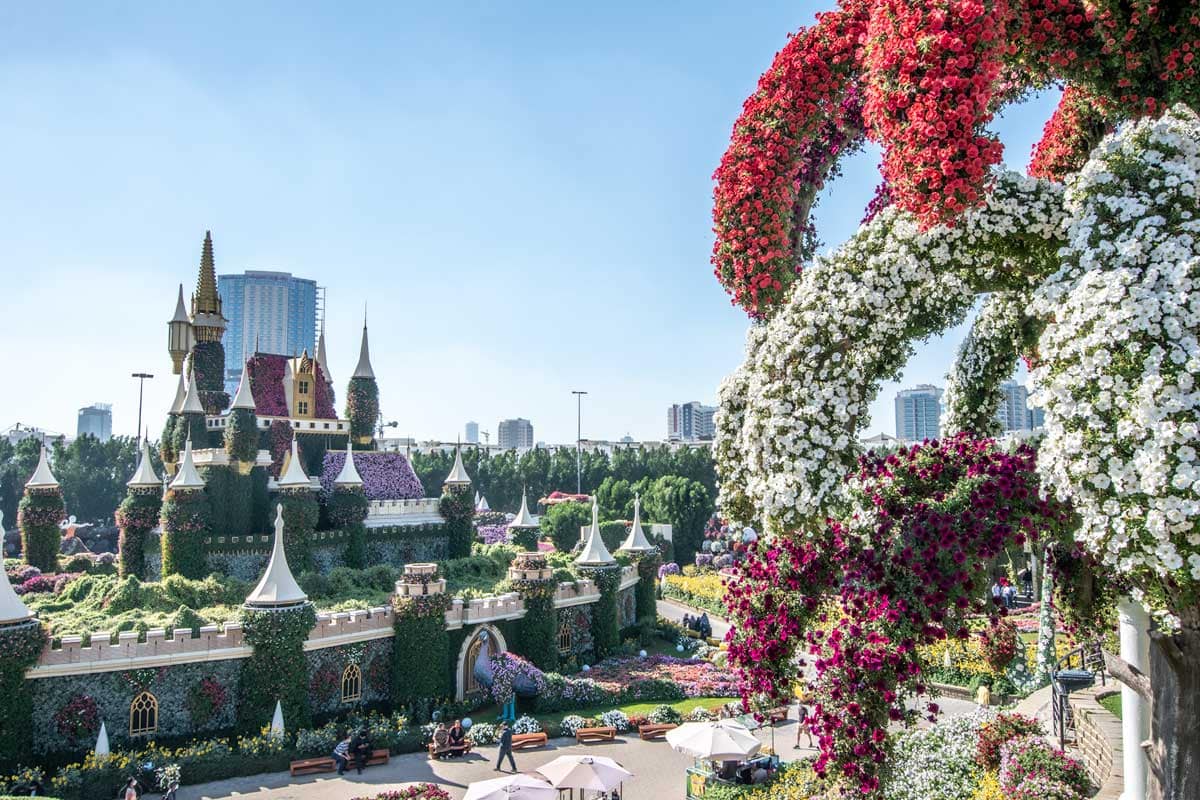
<point>989,788</point>
<point>795,782</point>
<point>703,591</point>
<point>964,655</point>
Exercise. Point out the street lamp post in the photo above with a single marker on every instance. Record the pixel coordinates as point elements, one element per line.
<point>578,440</point>
<point>141,376</point>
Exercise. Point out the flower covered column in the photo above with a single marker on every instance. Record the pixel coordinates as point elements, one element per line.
<point>421,649</point>
<point>21,641</point>
<point>533,579</point>
<point>137,516</point>
<point>38,515</point>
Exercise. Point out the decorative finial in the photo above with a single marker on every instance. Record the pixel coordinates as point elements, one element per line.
<point>363,370</point>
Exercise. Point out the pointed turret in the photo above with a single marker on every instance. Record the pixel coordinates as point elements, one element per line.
<point>206,300</point>
<point>187,477</point>
<point>144,476</point>
<point>277,586</point>
<point>523,519</point>
<point>636,541</point>
<point>458,475</point>
<point>321,358</point>
<point>349,474</point>
<point>42,478</point>
<point>244,398</point>
<point>191,401</point>
<point>12,609</point>
<point>482,505</point>
<point>363,370</point>
<point>294,477</point>
<point>180,395</point>
<point>179,334</point>
<point>595,554</point>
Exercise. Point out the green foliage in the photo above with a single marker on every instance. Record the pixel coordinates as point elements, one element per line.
<point>187,618</point>
<point>356,547</point>
<point>260,501</point>
<point>241,435</point>
<point>483,571</point>
<point>525,539</point>
<point>186,517</point>
<point>166,444</point>
<point>615,497</point>
<point>300,514</point>
<point>137,516</point>
<point>561,524</point>
<point>684,504</point>
<point>606,618</point>
<point>20,646</point>
<point>362,408</point>
<point>347,505</point>
<point>537,632</point>
<point>644,591</point>
<point>420,649</point>
<point>231,500</point>
<point>93,474</point>
<point>189,426</point>
<point>277,670</point>
<point>207,362</point>
<point>38,516</point>
<point>613,534</point>
<point>458,508</point>
<point>17,463</point>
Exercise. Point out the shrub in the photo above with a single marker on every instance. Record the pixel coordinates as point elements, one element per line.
<point>1029,762</point>
<point>527,724</point>
<point>483,733</point>
<point>700,714</point>
<point>998,645</point>
<point>936,763</point>
<point>615,719</point>
<point>570,724</point>
<point>999,732</point>
<point>665,715</point>
<point>419,791</point>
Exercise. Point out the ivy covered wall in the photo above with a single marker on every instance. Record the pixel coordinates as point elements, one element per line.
<point>327,667</point>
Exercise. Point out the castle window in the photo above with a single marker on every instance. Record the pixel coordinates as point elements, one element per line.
<point>143,715</point>
<point>302,407</point>
<point>303,387</point>
<point>471,684</point>
<point>565,639</point>
<point>352,684</point>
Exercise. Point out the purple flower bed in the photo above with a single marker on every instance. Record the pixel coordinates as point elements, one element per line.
<point>493,534</point>
<point>386,476</point>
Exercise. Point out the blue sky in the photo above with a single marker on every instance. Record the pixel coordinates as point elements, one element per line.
<point>521,192</point>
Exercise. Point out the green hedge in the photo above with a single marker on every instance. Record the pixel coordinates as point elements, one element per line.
<point>421,643</point>
<point>606,623</point>
<point>300,514</point>
<point>231,500</point>
<point>38,515</point>
<point>186,425</point>
<point>136,517</point>
<point>362,408</point>
<point>186,519</point>
<point>241,435</point>
<point>277,670</point>
<point>20,646</point>
<point>458,509</point>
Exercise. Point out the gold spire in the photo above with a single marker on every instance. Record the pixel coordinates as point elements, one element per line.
<point>207,318</point>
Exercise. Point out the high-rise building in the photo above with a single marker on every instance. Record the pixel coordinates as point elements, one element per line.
<point>918,413</point>
<point>274,310</point>
<point>515,433</point>
<point>1014,407</point>
<point>472,433</point>
<point>95,420</point>
<point>1037,418</point>
<point>690,422</point>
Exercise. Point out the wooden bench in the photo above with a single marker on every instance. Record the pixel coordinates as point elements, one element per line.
<point>528,741</point>
<point>312,766</point>
<point>461,749</point>
<point>604,734</point>
<point>779,714</point>
<point>652,731</point>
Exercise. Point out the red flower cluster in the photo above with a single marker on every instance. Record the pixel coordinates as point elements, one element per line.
<point>1076,125</point>
<point>941,510</point>
<point>998,644</point>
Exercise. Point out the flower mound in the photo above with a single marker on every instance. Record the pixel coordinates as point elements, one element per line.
<point>511,675</point>
<point>630,676</point>
<point>385,476</point>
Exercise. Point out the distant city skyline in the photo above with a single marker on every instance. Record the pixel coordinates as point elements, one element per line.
<point>690,422</point>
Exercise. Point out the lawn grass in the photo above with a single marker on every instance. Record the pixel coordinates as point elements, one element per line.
<point>1112,703</point>
<point>550,722</point>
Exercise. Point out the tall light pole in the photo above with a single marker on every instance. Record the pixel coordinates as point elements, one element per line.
<point>578,440</point>
<point>141,376</point>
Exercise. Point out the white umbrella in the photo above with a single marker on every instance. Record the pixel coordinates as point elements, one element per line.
<point>720,740</point>
<point>585,772</point>
<point>512,787</point>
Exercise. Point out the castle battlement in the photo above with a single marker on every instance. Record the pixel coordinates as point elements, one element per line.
<point>577,593</point>
<point>103,655</point>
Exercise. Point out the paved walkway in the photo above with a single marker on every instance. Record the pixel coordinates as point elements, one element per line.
<point>674,611</point>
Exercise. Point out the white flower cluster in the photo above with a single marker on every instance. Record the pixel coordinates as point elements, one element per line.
<point>1121,355</point>
<point>787,431</point>
<point>985,359</point>
<point>937,763</point>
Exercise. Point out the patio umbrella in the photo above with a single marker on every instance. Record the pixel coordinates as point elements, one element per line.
<point>720,740</point>
<point>598,773</point>
<point>512,787</point>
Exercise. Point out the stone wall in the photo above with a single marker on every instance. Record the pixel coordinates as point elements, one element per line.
<point>328,667</point>
<point>1099,744</point>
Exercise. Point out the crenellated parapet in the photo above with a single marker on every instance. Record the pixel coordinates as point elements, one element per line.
<point>128,650</point>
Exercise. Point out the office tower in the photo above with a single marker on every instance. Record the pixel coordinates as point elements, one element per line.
<point>95,420</point>
<point>690,422</point>
<point>472,433</point>
<point>1014,407</point>
<point>918,413</point>
<point>515,433</point>
<point>274,310</point>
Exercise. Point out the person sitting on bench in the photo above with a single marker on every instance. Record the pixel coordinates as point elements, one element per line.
<point>360,748</point>
<point>441,740</point>
<point>458,739</point>
<point>341,752</point>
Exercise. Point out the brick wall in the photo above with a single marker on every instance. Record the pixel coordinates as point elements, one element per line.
<point>1099,743</point>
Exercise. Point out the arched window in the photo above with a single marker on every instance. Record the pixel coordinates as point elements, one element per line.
<point>352,684</point>
<point>143,715</point>
<point>471,685</point>
<point>565,639</point>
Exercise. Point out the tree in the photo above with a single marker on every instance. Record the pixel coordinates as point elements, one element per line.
<point>686,506</point>
<point>93,475</point>
<point>17,463</point>
<point>615,498</point>
<point>561,524</point>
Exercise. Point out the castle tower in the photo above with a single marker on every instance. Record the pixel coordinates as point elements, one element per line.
<point>208,326</point>
<point>179,335</point>
<point>595,554</point>
<point>277,588</point>
<point>458,508</point>
<point>523,528</point>
<point>362,396</point>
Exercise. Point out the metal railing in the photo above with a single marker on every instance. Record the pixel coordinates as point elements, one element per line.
<point>1084,665</point>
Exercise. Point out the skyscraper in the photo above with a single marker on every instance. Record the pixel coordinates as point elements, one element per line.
<point>274,309</point>
<point>472,433</point>
<point>1014,407</point>
<point>918,413</point>
<point>95,420</point>
<point>690,422</point>
<point>515,433</point>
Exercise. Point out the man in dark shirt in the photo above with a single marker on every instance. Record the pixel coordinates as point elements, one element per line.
<point>360,747</point>
<point>506,736</point>
<point>458,739</point>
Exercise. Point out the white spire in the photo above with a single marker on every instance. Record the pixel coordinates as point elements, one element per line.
<point>458,476</point>
<point>594,554</point>
<point>191,403</point>
<point>187,477</point>
<point>636,541</point>
<point>102,750</point>
<point>321,359</point>
<point>293,477</point>
<point>349,474</point>
<point>482,505</point>
<point>277,720</point>
<point>244,397</point>
<point>12,610</point>
<point>523,519</point>
<point>363,370</point>
<point>144,474</point>
<point>181,314</point>
<point>180,395</point>
<point>277,587</point>
<point>42,478</point>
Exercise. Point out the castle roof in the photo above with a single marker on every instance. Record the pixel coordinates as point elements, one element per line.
<point>191,403</point>
<point>144,475</point>
<point>42,477</point>
<point>458,475</point>
<point>277,587</point>
<point>206,302</point>
<point>321,358</point>
<point>293,477</point>
<point>523,519</point>
<point>12,609</point>
<point>636,541</point>
<point>180,395</point>
<point>187,477</point>
<point>363,369</point>
<point>594,554</point>
<point>244,397</point>
<point>482,504</point>
<point>349,474</point>
<point>180,314</point>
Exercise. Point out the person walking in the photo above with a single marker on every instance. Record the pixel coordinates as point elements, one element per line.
<point>996,593</point>
<point>506,736</point>
<point>1010,595</point>
<point>131,790</point>
<point>802,723</point>
<point>341,752</point>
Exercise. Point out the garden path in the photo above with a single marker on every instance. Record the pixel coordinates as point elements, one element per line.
<point>674,611</point>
